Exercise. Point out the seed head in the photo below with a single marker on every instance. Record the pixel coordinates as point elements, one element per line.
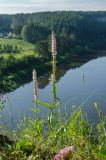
<point>34,77</point>
<point>53,45</point>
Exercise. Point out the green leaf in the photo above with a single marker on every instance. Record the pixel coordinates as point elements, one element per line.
<point>56,105</point>
<point>35,110</point>
<point>45,104</point>
<point>96,105</point>
<point>102,154</point>
<point>75,118</point>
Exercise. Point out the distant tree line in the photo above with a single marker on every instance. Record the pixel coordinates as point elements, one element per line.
<point>80,30</point>
<point>11,64</point>
<point>9,49</point>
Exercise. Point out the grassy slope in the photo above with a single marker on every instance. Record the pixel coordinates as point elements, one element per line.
<point>9,78</point>
<point>35,143</point>
<point>27,48</point>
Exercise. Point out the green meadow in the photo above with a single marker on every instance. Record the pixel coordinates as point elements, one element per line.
<point>26,47</point>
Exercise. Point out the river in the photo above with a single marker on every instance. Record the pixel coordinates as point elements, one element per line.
<point>83,80</point>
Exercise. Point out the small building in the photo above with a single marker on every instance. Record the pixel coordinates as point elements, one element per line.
<point>11,35</point>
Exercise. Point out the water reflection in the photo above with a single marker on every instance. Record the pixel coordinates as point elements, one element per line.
<point>70,88</point>
<point>73,62</point>
<point>2,101</point>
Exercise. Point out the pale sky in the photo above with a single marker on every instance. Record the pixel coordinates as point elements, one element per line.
<point>24,6</point>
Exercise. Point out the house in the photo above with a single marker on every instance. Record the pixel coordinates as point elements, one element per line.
<point>11,35</point>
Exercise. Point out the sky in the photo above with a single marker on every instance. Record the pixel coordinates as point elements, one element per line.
<point>29,6</point>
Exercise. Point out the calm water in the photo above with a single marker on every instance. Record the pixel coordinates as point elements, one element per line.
<point>84,81</point>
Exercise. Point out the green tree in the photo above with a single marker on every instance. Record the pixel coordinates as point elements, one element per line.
<point>33,33</point>
<point>42,48</point>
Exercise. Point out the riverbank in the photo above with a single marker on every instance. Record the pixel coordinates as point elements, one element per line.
<point>17,73</point>
<point>33,142</point>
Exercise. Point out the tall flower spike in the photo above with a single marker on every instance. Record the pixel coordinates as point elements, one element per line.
<point>53,45</point>
<point>34,77</point>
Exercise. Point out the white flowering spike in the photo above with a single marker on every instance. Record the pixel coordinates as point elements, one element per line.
<point>53,45</point>
<point>34,77</point>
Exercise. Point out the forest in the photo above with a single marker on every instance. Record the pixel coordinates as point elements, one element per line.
<point>83,29</point>
<point>25,39</point>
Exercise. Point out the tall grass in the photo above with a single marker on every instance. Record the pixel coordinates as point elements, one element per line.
<point>43,139</point>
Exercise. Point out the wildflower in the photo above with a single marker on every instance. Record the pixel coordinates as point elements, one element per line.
<point>53,45</point>
<point>65,153</point>
<point>34,77</point>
